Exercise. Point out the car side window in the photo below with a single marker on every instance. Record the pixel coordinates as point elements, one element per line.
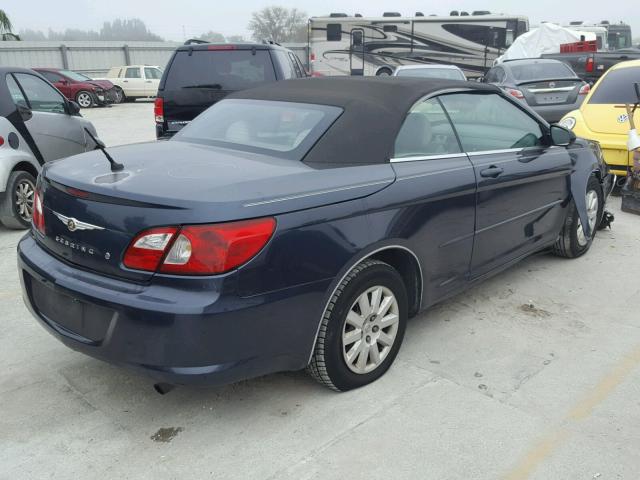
<point>41,96</point>
<point>426,131</point>
<point>152,73</point>
<point>296,67</point>
<point>487,122</point>
<point>16,93</point>
<point>132,73</point>
<point>285,63</point>
<point>52,77</point>
<point>301,66</point>
<point>495,75</point>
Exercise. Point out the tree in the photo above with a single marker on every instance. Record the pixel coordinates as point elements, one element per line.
<point>6,27</point>
<point>278,24</point>
<point>117,30</point>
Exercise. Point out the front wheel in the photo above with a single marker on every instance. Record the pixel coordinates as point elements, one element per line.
<point>572,241</point>
<point>362,329</point>
<point>119,95</point>
<point>85,99</point>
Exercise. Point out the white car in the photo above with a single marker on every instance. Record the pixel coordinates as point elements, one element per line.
<point>37,124</point>
<point>449,72</point>
<point>134,81</point>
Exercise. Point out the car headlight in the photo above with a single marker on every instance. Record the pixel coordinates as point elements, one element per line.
<point>567,122</point>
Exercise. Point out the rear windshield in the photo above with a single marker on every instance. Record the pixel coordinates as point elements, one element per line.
<point>616,87</point>
<point>448,73</point>
<point>283,129</point>
<point>220,70</point>
<point>541,71</point>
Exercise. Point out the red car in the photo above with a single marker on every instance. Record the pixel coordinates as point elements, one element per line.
<point>80,88</point>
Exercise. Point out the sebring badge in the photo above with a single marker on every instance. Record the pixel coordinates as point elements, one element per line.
<point>74,224</point>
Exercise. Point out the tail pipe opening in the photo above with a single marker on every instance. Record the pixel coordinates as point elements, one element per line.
<point>163,388</point>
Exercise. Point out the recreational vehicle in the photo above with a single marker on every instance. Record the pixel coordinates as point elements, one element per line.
<point>354,45</point>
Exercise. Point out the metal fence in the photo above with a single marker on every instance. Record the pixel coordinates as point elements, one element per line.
<point>95,58</point>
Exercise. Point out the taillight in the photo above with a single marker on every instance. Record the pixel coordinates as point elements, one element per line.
<point>158,109</point>
<point>38,213</point>
<point>584,89</point>
<point>148,248</point>
<point>222,47</point>
<point>199,249</point>
<point>589,65</point>
<point>312,57</point>
<point>1,140</point>
<point>515,93</point>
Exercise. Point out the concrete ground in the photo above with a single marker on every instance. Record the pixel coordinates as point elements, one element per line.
<point>534,374</point>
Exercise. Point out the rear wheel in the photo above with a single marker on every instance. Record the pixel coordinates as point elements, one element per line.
<point>572,241</point>
<point>384,72</point>
<point>16,209</point>
<point>362,329</point>
<point>85,99</point>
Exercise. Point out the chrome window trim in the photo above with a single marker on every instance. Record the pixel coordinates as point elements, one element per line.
<point>353,265</point>
<point>492,152</point>
<point>418,158</point>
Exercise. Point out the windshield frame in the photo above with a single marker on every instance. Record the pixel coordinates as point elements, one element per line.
<point>330,115</point>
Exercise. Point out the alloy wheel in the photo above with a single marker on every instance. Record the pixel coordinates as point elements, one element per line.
<point>592,216</point>
<point>370,329</point>
<point>24,199</point>
<point>84,100</point>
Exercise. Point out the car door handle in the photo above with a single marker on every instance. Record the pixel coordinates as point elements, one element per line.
<point>491,172</point>
<point>148,81</point>
<point>125,81</point>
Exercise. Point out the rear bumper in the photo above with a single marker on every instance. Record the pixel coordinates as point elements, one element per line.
<point>554,113</point>
<point>176,330</point>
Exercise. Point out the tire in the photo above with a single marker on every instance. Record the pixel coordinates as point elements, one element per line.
<point>384,72</point>
<point>85,99</point>
<point>14,212</point>
<point>572,243</point>
<point>337,357</point>
<point>119,95</point>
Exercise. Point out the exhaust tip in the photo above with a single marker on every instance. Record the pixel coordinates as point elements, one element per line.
<point>620,181</point>
<point>163,388</point>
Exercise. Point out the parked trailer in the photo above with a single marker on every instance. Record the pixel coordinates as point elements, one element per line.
<point>344,45</point>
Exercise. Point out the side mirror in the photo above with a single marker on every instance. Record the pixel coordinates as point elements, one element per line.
<point>561,136</point>
<point>25,113</point>
<point>73,108</point>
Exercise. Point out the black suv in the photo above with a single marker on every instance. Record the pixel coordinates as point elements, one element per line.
<point>200,74</point>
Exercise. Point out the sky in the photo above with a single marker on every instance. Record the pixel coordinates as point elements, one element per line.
<point>178,19</point>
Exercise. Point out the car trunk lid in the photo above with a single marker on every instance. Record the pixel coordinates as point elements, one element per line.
<point>551,92</point>
<point>92,214</point>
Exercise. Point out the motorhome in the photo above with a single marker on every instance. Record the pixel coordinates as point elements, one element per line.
<point>354,45</point>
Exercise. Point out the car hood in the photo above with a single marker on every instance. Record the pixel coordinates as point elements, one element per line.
<point>104,84</point>
<point>215,184</point>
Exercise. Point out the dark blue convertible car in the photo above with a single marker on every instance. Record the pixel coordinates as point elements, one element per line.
<point>300,225</point>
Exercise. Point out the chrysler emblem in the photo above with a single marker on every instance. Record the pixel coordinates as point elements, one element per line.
<point>74,224</point>
<point>552,84</point>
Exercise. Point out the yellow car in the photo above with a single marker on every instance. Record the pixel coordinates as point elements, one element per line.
<point>603,117</point>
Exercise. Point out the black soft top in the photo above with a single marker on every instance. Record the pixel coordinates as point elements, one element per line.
<point>374,110</point>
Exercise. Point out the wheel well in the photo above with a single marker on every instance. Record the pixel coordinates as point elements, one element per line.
<point>25,167</point>
<point>407,266</point>
<point>383,69</point>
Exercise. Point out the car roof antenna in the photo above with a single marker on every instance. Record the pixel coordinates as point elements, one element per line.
<point>115,166</point>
